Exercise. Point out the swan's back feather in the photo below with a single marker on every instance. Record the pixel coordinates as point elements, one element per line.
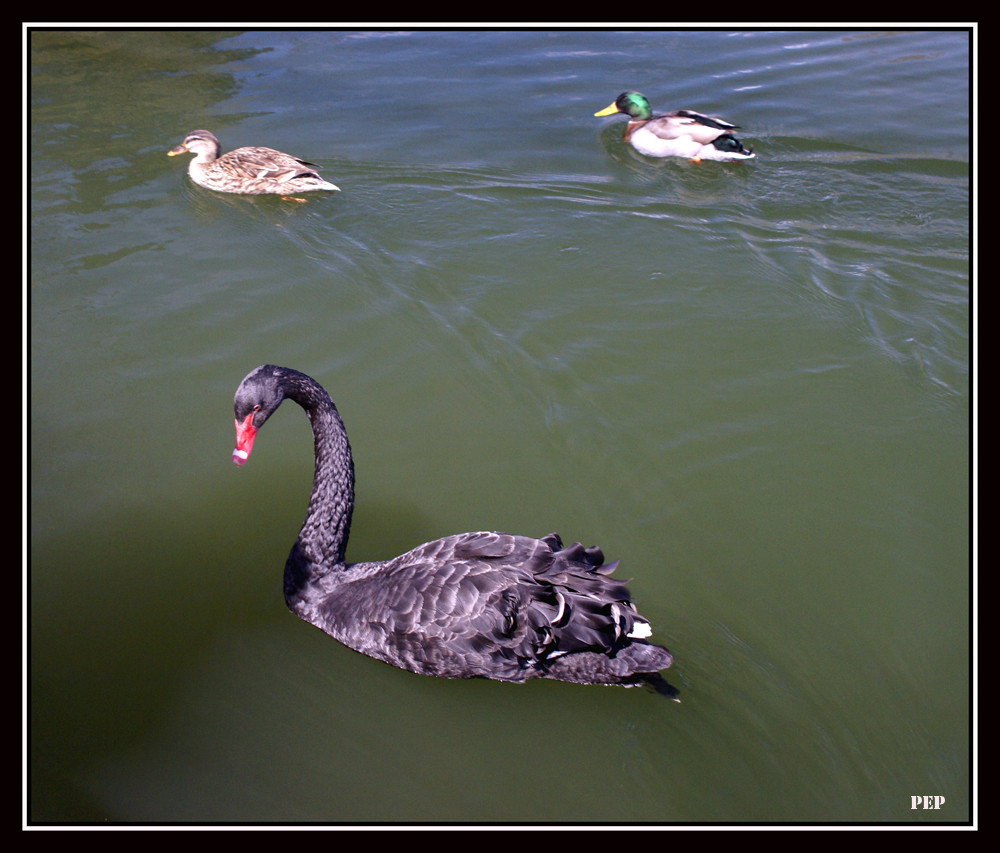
<point>494,605</point>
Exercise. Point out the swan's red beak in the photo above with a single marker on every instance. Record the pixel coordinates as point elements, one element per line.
<point>245,433</point>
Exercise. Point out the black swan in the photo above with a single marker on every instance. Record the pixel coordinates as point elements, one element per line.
<point>486,605</point>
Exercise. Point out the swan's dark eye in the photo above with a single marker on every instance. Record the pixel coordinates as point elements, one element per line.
<point>257,408</point>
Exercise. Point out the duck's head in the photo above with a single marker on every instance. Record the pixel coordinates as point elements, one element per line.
<point>633,104</point>
<point>204,143</point>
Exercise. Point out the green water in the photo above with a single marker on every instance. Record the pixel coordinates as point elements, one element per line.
<point>750,383</point>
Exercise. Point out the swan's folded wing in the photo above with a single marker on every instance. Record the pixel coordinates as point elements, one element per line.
<point>485,604</point>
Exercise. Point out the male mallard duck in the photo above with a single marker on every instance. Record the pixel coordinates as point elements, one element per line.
<point>247,170</point>
<point>679,133</point>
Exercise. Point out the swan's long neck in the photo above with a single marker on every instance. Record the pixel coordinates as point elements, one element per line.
<point>322,540</point>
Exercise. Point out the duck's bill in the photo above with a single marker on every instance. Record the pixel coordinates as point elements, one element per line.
<point>608,110</point>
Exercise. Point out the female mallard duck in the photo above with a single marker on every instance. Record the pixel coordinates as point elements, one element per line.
<point>679,133</point>
<point>247,170</point>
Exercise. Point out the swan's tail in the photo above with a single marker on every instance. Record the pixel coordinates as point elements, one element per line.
<point>587,629</point>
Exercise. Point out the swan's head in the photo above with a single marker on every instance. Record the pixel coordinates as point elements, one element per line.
<point>203,143</point>
<point>260,393</point>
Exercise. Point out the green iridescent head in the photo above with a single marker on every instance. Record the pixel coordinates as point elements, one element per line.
<point>633,104</point>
